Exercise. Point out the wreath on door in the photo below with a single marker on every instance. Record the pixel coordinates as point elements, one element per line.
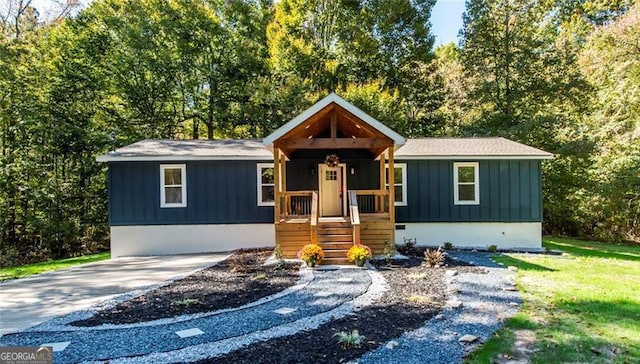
<point>332,160</point>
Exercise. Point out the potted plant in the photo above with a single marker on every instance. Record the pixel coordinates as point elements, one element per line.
<point>311,254</point>
<point>359,254</point>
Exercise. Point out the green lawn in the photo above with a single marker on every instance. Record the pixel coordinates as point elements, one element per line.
<point>31,269</point>
<point>583,306</point>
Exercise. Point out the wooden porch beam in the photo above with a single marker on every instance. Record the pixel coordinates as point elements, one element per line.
<point>337,143</point>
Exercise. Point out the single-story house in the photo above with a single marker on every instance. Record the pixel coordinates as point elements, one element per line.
<point>323,178</point>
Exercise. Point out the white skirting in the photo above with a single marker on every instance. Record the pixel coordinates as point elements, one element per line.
<point>505,235</point>
<point>186,239</point>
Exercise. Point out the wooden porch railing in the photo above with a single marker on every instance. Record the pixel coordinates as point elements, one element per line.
<point>354,213</point>
<point>372,201</point>
<point>296,203</point>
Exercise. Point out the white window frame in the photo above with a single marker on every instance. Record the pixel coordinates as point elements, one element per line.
<point>403,167</point>
<point>476,183</point>
<point>259,168</point>
<point>183,185</point>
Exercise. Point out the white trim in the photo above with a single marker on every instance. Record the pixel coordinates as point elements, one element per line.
<point>188,239</point>
<point>472,157</point>
<point>259,167</point>
<point>109,158</point>
<point>343,166</point>
<point>403,166</point>
<point>333,98</point>
<point>183,185</point>
<point>505,235</point>
<point>476,183</point>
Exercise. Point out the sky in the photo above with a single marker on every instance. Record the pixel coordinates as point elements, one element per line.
<point>446,20</point>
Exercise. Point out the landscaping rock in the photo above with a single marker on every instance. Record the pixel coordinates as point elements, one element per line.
<point>451,273</point>
<point>513,304</point>
<point>512,268</point>
<point>439,316</point>
<point>392,344</point>
<point>454,304</point>
<point>467,339</point>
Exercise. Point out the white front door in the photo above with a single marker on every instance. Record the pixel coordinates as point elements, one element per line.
<point>331,192</point>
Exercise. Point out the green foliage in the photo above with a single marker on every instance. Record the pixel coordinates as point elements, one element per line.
<point>448,245</point>
<point>560,75</point>
<point>351,339</point>
<point>492,248</point>
<point>13,272</point>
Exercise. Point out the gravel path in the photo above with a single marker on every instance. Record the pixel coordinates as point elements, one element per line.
<point>344,285</point>
<point>486,304</point>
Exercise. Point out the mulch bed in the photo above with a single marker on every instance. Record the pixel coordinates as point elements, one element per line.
<point>416,293</point>
<point>234,282</point>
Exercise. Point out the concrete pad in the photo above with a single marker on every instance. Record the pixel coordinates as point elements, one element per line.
<point>30,301</point>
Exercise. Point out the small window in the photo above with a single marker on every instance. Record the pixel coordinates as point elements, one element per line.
<point>266,184</point>
<point>399,183</point>
<point>173,185</point>
<point>331,175</point>
<point>466,189</point>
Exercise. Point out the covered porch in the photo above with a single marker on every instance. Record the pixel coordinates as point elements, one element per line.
<point>331,180</point>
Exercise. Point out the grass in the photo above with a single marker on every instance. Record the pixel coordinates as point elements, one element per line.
<point>583,306</point>
<point>36,268</point>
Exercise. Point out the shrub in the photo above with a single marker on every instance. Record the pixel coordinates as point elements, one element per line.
<point>359,253</point>
<point>185,302</point>
<point>448,245</point>
<point>434,258</point>
<point>410,248</point>
<point>492,248</point>
<point>277,252</point>
<point>311,254</point>
<point>389,250</point>
<point>352,339</point>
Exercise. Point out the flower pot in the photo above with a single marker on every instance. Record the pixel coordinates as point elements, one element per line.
<point>311,263</point>
<point>360,262</point>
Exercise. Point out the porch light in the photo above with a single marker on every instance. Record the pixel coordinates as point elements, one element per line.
<point>353,170</point>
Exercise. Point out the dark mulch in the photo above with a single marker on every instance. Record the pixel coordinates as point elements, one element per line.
<point>239,280</point>
<point>416,293</point>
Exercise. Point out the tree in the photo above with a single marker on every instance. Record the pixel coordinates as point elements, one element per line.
<point>611,61</point>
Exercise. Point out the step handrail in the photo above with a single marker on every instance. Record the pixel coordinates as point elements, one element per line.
<point>354,214</point>
<point>314,217</point>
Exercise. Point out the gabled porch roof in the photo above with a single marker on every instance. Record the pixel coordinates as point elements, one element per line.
<point>334,115</point>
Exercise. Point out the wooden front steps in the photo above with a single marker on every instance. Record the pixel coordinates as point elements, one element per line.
<point>335,236</point>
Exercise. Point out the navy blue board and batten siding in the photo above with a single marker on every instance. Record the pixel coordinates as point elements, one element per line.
<point>218,192</point>
<point>225,192</point>
<point>510,191</point>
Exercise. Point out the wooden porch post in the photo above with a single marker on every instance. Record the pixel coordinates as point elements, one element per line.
<point>392,196</point>
<point>276,187</point>
<point>380,199</point>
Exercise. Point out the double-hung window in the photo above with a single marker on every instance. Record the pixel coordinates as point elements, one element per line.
<point>399,183</point>
<point>466,186</point>
<point>266,184</point>
<point>173,185</point>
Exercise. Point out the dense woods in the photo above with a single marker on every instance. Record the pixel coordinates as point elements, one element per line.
<point>74,83</point>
